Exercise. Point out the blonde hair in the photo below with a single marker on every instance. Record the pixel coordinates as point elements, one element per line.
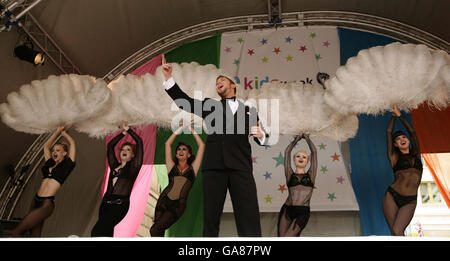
<point>301,151</point>
<point>63,144</point>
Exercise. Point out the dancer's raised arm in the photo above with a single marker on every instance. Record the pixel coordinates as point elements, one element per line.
<point>168,148</point>
<point>138,159</point>
<point>110,152</point>
<point>313,158</point>
<point>48,144</point>
<point>415,148</point>
<point>392,155</point>
<point>201,149</point>
<point>287,157</point>
<point>72,146</point>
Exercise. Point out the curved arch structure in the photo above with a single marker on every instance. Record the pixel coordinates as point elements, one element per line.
<point>364,22</point>
<point>13,188</point>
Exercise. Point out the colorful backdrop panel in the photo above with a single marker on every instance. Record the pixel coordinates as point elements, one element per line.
<point>289,54</point>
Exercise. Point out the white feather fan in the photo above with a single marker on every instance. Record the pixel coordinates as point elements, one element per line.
<point>114,114</point>
<point>44,105</point>
<point>302,109</point>
<point>396,74</point>
<point>140,100</point>
<point>146,101</point>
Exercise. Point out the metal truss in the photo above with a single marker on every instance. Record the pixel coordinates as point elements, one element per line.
<point>24,170</point>
<point>16,13</point>
<point>13,10</point>
<point>363,22</point>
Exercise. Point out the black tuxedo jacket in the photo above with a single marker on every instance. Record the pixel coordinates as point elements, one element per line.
<point>227,145</point>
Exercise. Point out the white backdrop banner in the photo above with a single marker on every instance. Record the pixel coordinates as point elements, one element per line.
<point>289,54</point>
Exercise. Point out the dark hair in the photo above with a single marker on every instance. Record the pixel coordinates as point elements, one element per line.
<point>394,136</point>
<point>132,145</point>
<point>397,133</point>
<point>190,159</point>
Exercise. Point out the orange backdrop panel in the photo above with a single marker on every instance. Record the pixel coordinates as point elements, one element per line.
<point>432,128</point>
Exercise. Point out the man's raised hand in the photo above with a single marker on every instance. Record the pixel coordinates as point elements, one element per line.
<point>166,68</point>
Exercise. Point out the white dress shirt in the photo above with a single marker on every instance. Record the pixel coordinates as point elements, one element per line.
<point>234,104</point>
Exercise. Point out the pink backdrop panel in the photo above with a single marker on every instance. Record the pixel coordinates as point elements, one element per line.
<point>129,226</point>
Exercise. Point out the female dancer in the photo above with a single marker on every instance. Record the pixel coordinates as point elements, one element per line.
<point>400,199</point>
<point>59,163</point>
<point>116,200</point>
<point>295,212</point>
<point>183,169</point>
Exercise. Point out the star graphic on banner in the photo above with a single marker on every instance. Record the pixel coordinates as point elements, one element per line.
<point>340,180</point>
<point>303,48</point>
<point>254,159</point>
<point>326,44</point>
<point>265,59</point>
<point>267,175</point>
<point>318,56</point>
<point>332,196</point>
<point>313,35</point>
<point>279,160</point>
<point>276,50</point>
<point>335,157</point>
<point>322,146</point>
<point>268,199</point>
<point>228,49</point>
<point>282,188</point>
<point>289,58</point>
<point>288,39</point>
<point>264,41</point>
<point>236,61</point>
<point>324,169</point>
<point>240,40</point>
<point>251,52</point>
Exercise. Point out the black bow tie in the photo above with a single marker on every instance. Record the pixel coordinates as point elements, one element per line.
<point>230,99</point>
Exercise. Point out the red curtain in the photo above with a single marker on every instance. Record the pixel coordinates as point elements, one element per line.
<point>433,131</point>
<point>432,128</point>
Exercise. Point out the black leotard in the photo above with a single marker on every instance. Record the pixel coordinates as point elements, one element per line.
<point>400,161</point>
<point>128,174</point>
<point>296,208</point>
<point>404,162</point>
<point>310,176</point>
<point>405,166</point>
<point>60,172</point>
<point>115,203</point>
<point>172,201</point>
<point>183,190</point>
<point>300,179</point>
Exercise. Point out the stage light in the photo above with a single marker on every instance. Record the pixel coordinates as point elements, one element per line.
<point>28,54</point>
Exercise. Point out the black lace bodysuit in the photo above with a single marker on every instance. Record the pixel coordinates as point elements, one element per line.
<point>300,179</point>
<point>175,194</point>
<point>407,167</point>
<point>128,174</point>
<point>295,212</point>
<point>172,201</point>
<point>300,185</point>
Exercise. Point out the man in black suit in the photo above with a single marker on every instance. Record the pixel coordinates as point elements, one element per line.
<point>227,162</point>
